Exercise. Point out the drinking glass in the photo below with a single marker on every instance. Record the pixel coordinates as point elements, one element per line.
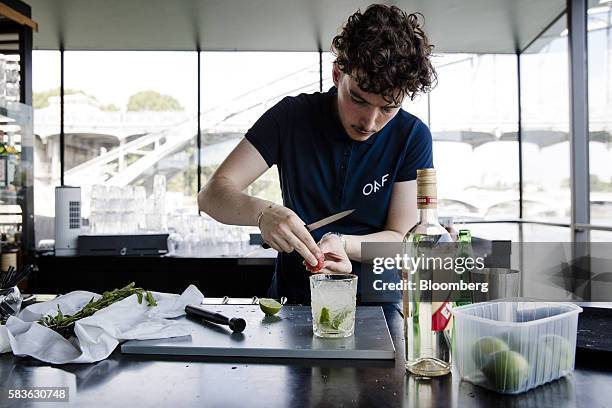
<point>333,301</point>
<point>502,283</point>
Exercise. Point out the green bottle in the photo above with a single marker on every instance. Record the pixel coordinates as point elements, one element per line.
<point>464,243</point>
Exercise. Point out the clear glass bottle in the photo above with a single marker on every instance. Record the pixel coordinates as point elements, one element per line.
<point>426,322</point>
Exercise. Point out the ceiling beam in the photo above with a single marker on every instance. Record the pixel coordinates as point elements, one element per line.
<point>17,17</point>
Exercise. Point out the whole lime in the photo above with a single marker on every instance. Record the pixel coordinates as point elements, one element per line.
<point>557,352</point>
<point>507,371</point>
<point>519,341</point>
<point>543,365</point>
<point>484,347</point>
<point>269,306</point>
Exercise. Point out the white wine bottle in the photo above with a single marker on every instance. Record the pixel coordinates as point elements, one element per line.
<point>426,322</point>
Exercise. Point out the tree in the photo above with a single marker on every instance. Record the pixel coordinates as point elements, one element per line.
<point>109,108</point>
<point>152,101</point>
<point>41,99</point>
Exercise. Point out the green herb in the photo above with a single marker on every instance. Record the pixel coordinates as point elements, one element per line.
<point>64,324</point>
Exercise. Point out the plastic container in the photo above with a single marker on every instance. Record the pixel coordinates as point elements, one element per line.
<point>513,345</point>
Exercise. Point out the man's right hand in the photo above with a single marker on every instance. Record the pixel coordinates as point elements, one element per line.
<point>284,231</point>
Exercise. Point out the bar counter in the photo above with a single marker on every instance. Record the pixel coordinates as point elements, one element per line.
<point>162,381</point>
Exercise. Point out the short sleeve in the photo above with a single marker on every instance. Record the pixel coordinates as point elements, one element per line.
<point>419,153</point>
<point>267,132</point>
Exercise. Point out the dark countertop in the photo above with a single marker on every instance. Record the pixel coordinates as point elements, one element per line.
<point>132,380</point>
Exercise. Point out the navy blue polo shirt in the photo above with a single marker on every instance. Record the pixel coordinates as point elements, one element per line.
<point>323,171</point>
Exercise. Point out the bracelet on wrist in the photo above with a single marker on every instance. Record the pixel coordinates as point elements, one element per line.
<point>339,235</point>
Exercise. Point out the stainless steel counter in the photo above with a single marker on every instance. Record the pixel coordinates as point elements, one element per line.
<point>155,381</point>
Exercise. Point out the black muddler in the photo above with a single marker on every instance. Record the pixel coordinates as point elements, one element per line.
<point>6,277</point>
<point>235,323</point>
<point>17,277</point>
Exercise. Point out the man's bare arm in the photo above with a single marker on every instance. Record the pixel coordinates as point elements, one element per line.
<point>223,199</point>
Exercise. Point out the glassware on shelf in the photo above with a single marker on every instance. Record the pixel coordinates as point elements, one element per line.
<point>159,202</point>
<point>12,78</point>
<point>2,81</point>
<point>128,210</point>
<point>140,198</point>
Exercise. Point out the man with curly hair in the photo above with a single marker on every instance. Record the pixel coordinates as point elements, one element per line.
<point>350,147</point>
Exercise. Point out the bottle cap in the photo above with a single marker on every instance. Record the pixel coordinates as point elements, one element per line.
<point>426,176</point>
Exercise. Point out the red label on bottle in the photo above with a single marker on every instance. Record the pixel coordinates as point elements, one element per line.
<point>441,317</point>
<point>425,200</point>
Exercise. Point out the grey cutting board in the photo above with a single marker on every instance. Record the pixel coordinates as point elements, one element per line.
<point>287,335</point>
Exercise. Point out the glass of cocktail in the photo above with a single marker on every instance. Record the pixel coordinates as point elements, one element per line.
<point>333,299</point>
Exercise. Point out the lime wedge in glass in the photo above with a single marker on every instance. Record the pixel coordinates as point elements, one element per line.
<point>269,306</point>
<point>339,318</point>
<point>324,317</point>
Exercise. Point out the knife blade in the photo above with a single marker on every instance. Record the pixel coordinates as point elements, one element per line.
<point>328,220</point>
<point>321,223</point>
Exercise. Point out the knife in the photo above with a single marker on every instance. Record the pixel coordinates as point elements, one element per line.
<point>321,223</point>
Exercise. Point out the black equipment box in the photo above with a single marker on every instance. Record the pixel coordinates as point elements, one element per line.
<point>123,245</point>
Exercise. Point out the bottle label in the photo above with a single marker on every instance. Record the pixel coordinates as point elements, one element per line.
<point>426,201</point>
<point>427,195</point>
<point>441,317</point>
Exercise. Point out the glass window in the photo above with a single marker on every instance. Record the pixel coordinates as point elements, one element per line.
<point>493,231</point>
<point>237,88</point>
<point>419,107</point>
<point>328,65</point>
<point>473,116</point>
<point>130,133</point>
<point>45,92</point>
<point>518,232</point>
<point>545,121</point>
<point>545,233</point>
<point>473,119</point>
<point>600,113</point>
<point>601,236</point>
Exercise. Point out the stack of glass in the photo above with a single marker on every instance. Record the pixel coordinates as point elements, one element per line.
<point>128,210</point>
<point>12,79</point>
<point>117,210</point>
<point>2,81</point>
<point>193,235</point>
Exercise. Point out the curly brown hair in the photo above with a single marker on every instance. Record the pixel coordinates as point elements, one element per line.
<point>387,52</point>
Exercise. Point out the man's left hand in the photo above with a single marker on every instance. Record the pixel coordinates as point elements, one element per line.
<point>336,259</point>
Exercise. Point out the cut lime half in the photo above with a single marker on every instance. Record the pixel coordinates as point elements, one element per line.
<point>269,306</point>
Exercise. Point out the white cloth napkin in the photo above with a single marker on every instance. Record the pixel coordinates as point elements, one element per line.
<point>99,334</point>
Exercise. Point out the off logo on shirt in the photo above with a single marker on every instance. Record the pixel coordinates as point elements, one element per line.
<point>375,186</point>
